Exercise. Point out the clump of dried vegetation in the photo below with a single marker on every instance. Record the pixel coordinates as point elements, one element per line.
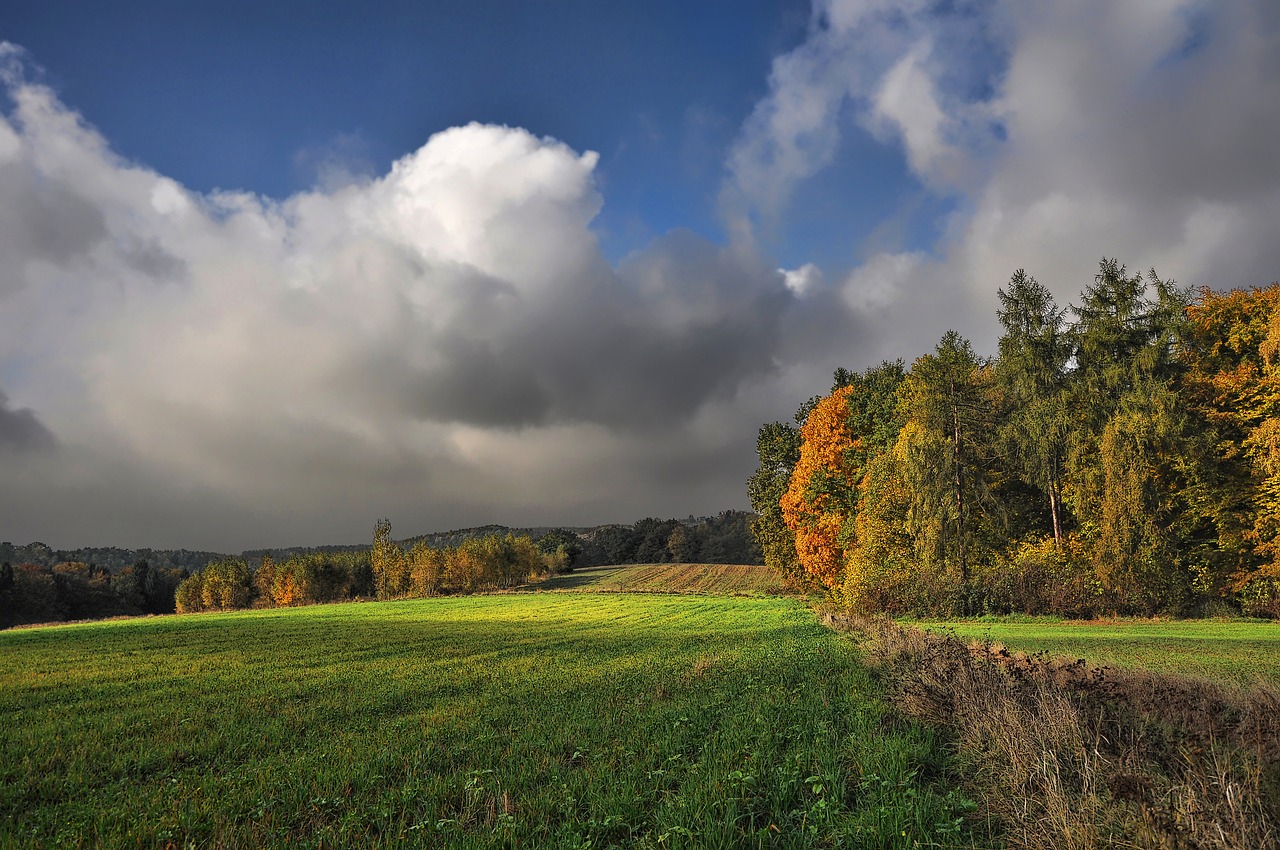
<point>1068,755</point>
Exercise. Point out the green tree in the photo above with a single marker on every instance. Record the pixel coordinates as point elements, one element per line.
<point>226,585</point>
<point>264,582</point>
<point>1031,371</point>
<point>947,408</point>
<point>778,448</point>
<point>1131,447</point>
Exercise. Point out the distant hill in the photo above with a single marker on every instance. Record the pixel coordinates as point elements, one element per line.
<point>109,558</point>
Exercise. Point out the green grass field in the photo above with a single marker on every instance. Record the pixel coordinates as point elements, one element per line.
<point>521,720</point>
<point>1238,651</point>
<point>711,579</point>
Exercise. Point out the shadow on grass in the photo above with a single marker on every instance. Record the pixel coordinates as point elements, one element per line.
<point>576,580</point>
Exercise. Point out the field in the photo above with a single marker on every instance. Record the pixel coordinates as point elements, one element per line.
<point>714,579</point>
<point>519,720</point>
<point>1238,651</point>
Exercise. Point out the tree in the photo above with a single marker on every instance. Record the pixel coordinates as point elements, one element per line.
<point>1131,447</point>
<point>778,448</point>
<point>1032,373</point>
<point>8,594</point>
<point>264,581</point>
<point>426,567</point>
<point>225,585</point>
<point>1233,383</point>
<point>563,545</point>
<point>946,405</point>
<point>818,500</point>
<point>189,597</point>
<point>390,566</point>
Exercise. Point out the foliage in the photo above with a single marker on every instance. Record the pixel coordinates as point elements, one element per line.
<point>722,539</point>
<point>947,406</point>
<point>75,590</point>
<point>1233,382</point>
<point>1142,439</point>
<point>778,448</point>
<point>819,495</point>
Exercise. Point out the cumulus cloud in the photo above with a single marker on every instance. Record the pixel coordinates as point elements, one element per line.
<point>444,343</point>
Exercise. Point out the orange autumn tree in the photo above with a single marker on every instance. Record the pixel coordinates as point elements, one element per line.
<point>817,502</point>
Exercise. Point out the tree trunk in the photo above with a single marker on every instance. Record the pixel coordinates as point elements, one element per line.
<point>1055,501</point>
<point>960,523</point>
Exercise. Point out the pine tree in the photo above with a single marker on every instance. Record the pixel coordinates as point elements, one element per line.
<point>947,408</point>
<point>1032,373</point>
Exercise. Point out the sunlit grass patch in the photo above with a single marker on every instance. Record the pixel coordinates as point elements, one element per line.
<point>530,720</point>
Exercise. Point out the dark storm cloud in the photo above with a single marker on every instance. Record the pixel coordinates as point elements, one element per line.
<point>21,431</point>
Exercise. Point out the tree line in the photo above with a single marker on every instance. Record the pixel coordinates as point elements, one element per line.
<point>1121,455</point>
<point>386,570</point>
<point>39,584</point>
<point>75,590</point>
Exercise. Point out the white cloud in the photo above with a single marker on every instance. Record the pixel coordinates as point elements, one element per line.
<point>804,280</point>
<point>1061,131</point>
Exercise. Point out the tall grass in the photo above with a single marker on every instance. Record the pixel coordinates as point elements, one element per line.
<point>1073,756</point>
<point>531,720</point>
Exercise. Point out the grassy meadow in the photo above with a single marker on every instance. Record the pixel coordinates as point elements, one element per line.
<point>1242,652</point>
<point>518,720</point>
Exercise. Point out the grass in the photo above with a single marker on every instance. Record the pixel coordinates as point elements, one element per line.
<point>525,720</point>
<point>1242,652</point>
<point>711,579</point>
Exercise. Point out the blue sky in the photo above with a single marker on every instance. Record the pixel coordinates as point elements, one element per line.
<point>256,96</point>
<point>273,270</point>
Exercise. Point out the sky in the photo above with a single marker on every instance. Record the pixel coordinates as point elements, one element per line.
<point>271,271</point>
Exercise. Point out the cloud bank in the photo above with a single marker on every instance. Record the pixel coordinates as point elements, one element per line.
<point>446,345</point>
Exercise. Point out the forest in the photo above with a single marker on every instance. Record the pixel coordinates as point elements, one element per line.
<point>1119,456</point>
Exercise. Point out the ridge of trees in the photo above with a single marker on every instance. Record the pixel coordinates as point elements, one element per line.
<point>1122,455</point>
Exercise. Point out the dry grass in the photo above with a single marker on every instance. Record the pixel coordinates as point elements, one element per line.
<point>1072,756</point>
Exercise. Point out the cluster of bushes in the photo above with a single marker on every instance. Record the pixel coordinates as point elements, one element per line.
<point>298,580</point>
<point>1125,461</point>
<point>38,593</point>
<point>479,563</point>
<point>387,570</point>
